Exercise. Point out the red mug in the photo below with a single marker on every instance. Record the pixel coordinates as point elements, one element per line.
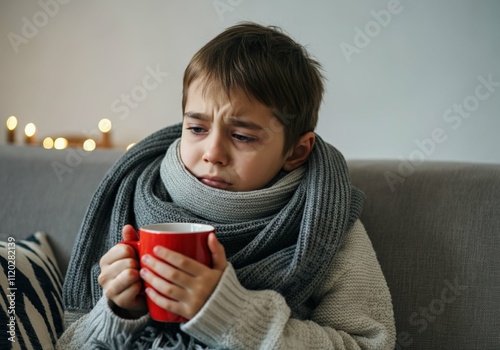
<point>186,238</point>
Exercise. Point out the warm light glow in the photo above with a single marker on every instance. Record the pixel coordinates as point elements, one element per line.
<point>30,129</point>
<point>89,145</point>
<point>11,123</point>
<point>105,125</point>
<point>130,146</point>
<point>48,143</point>
<point>60,143</point>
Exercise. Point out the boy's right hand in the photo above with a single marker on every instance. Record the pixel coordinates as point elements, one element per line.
<point>120,278</point>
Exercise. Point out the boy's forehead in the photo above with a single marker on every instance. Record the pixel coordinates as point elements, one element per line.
<point>202,91</point>
<point>236,109</point>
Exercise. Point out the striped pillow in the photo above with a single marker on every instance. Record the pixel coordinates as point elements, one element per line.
<point>32,312</point>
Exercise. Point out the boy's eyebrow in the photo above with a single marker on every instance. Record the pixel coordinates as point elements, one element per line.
<point>196,115</point>
<point>244,123</point>
<point>232,120</point>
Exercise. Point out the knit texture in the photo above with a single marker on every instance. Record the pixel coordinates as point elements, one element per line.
<point>288,250</point>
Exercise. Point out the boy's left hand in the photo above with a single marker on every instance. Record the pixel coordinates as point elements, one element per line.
<point>185,281</point>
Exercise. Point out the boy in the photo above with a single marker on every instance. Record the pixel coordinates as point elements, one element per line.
<point>293,267</point>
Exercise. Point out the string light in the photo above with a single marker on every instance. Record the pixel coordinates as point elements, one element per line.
<point>30,131</point>
<point>11,123</point>
<point>105,125</point>
<point>60,143</point>
<point>48,143</point>
<point>89,145</point>
<point>105,128</point>
<point>11,129</point>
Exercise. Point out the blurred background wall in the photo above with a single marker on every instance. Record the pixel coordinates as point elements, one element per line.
<point>406,79</point>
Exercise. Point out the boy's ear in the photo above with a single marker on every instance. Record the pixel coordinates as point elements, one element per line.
<point>299,154</point>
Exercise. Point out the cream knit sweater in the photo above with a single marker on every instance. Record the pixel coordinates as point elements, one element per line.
<point>352,309</point>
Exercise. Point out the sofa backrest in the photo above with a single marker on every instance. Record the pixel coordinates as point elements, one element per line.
<point>436,229</point>
<point>49,190</point>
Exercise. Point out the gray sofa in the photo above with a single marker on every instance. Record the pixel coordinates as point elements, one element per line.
<point>434,225</point>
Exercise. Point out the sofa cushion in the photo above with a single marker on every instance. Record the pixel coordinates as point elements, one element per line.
<point>31,299</point>
<point>435,227</point>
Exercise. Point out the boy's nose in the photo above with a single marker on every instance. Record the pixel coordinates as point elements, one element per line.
<point>215,152</point>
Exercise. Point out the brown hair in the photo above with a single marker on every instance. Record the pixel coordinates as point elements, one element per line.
<point>270,67</point>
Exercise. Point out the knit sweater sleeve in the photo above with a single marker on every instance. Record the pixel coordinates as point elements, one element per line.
<point>353,309</point>
<point>100,324</point>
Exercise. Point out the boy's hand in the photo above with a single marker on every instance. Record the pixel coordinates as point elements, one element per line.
<point>120,277</point>
<point>185,281</point>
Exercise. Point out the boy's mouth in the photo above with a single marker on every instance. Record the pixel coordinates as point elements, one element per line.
<point>216,182</point>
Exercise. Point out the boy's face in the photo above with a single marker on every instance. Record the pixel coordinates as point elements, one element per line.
<point>234,145</point>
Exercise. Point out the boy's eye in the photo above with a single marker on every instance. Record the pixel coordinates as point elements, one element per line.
<point>196,130</point>
<point>243,138</point>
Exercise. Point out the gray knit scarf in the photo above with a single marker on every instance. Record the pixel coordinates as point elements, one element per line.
<point>282,237</point>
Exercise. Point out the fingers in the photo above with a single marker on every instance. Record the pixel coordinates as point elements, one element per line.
<point>120,273</point>
<point>124,287</point>
<point>191,266</point>
<point>184,299</point>
<point>119,277</point>
<point>128,233</point>
<point>179,269</point>
<point>125,271</point>
<point>118,252</point>
<point>219,261</point>
<point>182,270</point>
<point>181,284</point>
<point>121,283</point>
<point>179,308</point>
<point>173,291</point>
